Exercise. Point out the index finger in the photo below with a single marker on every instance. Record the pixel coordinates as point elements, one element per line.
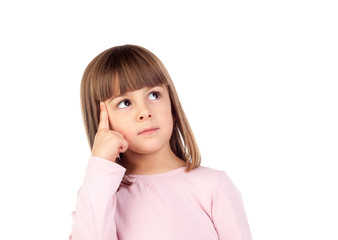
<point>104,118</point>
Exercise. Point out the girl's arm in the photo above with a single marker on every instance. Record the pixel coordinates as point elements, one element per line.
<point>228,212</point>
<point>96,203</point>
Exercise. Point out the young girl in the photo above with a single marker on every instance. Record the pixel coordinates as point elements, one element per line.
<point>144,180</point>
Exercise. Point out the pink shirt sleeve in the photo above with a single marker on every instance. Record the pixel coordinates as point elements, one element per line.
<point>96,201</point>
<point>228,212</point>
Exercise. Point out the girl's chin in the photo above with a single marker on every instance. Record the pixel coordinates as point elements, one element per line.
<point>146,150</point>
<point>141,152</point>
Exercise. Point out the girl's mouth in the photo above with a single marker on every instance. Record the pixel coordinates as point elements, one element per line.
<point>148,131</point>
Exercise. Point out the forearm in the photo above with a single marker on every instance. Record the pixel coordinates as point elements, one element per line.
<point>96,203</point>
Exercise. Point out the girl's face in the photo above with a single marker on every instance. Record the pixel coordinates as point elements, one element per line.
<point>143,117</point>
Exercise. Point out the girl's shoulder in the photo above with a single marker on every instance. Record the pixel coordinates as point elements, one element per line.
<point>205,171</point>
<point>208,174</point>
<point>213,180</point>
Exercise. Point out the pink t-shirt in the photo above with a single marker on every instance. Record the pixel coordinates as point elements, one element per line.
<point>203,204</point>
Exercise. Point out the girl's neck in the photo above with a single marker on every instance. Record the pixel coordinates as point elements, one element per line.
<point>148,164</point>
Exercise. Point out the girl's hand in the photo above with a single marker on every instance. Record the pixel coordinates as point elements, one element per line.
<point>108,144</point>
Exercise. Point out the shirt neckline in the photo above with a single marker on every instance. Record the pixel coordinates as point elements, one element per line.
<point>159,175</point>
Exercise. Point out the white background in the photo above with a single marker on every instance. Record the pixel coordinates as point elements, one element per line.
<point>257,79</point>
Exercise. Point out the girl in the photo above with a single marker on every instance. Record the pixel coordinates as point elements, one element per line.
<point>144,180</point>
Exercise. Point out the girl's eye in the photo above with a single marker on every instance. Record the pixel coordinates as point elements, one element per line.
<point>124,104</point>
<point>154,95</point>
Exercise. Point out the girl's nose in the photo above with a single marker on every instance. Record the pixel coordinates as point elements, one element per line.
<point>144,115</point>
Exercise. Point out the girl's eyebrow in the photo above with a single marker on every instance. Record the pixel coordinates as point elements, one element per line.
<point>120,95</point>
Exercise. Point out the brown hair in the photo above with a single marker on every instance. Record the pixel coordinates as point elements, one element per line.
<point>126,68</point>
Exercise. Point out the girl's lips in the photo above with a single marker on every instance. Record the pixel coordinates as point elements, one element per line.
<point>148,131</point>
